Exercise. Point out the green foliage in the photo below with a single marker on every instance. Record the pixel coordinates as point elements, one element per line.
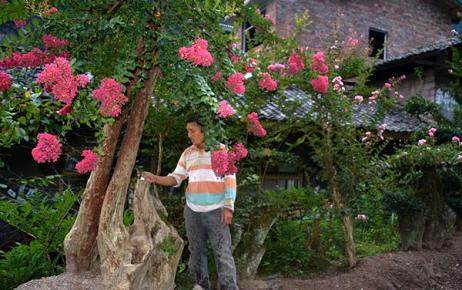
<point>48,220</point>
<point>402,203</point>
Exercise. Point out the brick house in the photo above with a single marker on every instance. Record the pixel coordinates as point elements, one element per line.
<point>411,37</point>
<point>400,25</point>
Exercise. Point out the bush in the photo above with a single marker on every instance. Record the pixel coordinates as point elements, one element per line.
<point>48,219</point>
<point>402,203</point>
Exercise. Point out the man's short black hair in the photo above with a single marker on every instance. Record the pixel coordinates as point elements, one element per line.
<point>194,119</point>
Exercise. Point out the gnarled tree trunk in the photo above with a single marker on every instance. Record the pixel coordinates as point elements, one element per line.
<point>80,242</point>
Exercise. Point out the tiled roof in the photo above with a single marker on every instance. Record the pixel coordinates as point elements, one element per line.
<point>363,115</point>
<point>415,52</point>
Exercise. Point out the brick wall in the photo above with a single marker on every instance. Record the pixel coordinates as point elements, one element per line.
<point>409,23</point>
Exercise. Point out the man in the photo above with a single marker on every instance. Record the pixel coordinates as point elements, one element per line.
<point>208,211</point>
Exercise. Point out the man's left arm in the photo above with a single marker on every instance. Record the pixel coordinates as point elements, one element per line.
<point>230,198</point>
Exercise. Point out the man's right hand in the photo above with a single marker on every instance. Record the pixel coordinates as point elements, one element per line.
<point>148,176</point>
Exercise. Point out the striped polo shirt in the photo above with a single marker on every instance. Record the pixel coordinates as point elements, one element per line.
<point>205,191</point>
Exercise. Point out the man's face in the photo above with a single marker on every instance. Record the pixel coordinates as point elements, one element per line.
<point>195,133</point>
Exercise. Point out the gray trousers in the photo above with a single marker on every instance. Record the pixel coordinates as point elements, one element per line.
<point>203,226</point>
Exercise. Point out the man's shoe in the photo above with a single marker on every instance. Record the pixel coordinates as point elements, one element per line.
<point>197,287</point>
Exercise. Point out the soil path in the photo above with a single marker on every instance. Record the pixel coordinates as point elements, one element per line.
<point>398,270</point>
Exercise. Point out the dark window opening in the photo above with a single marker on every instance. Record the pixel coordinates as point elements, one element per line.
<point>377,40</point>
<point>249,33</point>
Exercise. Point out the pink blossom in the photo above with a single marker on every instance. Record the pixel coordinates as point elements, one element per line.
<point>19,23</point>
<point>65,110</point>
<point>111,97</point>
<point>374,96</point>
<point>251,65</point>
<point>361,217</point>
<point>295,63</point>
<point>220,162</point>
<point>225,110</point>
<point>34,58</point>
<point>387,85</point>
<point>82,80</point>
<point>216,76</point>
<point>58,79</point>
<point>233,57</point>
<point>270,18</point>
<point>88,163</point>
<point>197,53</point>
<point>240,151</point>
<point>431,132</point>
<point>267,83</point>
<point>352,41</point>
<point>48,148</point>
<point>50,11</point>
<point>381,129</point>
<point>276,67</point>
<point>232,160</point>
<point>5,81</point>
<point>456,139</point>
<point>338,84</point>
<point>235,83</point>
<point>320,84</point>
<point>318,63</point>
<point>422,142</point>
<point>359,99</point>
<point>255,126</point>
<point>52,42</point>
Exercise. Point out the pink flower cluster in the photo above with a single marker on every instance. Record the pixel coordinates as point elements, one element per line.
<point>381,129</point>
<point>320,84</point>
<point>295,63</point>
<point>48,148</point>
<point>224,162</point>
<point>197,53</point>
<point>338,84</point>
<point>225,110</point>
<point>456,140</point>
<point>276,67</point>
<point>267,83</point>
<point>37,57</point>
<point>58,79</point>
<point>251,65</point>
<point>111,97</point>
<point>216,76</point>
<point>422,142</point>
<point>235,83</point>
<point>374,96</point>
<point>20,23</point>
<point>318,63</point>
<point>50,11</point>
<point>352,42</point>
<point>359,99</point>
<point>53,42</point>
<point>5,81</point>
<point>361,217</point>
<point>255,126</point>
<point>220,162</point>
<point>88,163</point>
<point>431,132</point>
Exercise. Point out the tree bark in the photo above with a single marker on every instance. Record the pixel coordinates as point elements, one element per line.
<point>252,248</point>
<point>114,246</point>
<point>80,242</point>
<point>348,226</point>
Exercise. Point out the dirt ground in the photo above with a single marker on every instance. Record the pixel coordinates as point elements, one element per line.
<point>398,270</point>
